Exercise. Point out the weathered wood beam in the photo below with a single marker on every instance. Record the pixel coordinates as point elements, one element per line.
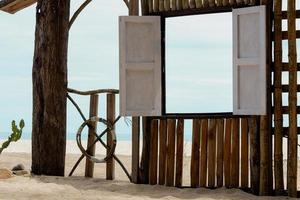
<point>13,6</point>
<point>49,77</point>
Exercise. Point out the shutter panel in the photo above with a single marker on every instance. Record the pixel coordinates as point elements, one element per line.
<point>140,66</point>
<point>249,61</point>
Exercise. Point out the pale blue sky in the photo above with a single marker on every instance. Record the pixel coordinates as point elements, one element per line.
<point>198,61</point>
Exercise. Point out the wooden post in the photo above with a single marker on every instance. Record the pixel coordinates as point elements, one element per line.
<point>167,5</point>
<point>145,7</point>
<point>179,4</point>
<point>171,152</point>
<point>49,77</point>
<point>134,7</point>
<point>192,4</point>
<point>135,149</point>
<point>227,152</point>
<point>161,5</point>
<point>156,6</point>
<point>203,153</point>
<point>244,154</point>
<point>292,137</point>
<point>254,154</point>
<point>185,4</point>
<point>220,150</point>
<point>153,153</point>
<point>211,153</point>
<point>144,165</point>
<point>198,3</point>
<point>179,152</point>
<point>89,165</point>
<point>195,153</point>
<point>162,151</point>
<point>173,5</point>
<point>278,120</point>
<point>110,116</point>
<point>225,2</point>
<point>235,154</point>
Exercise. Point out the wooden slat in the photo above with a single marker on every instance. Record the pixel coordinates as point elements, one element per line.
<point>192,4</point>
<point>285,131</point>
<point>203,153</point>
<point>211,3</point>
<point>185,4</point>
<point>150,6</point>
<point>179,4</point>
<point>254,154</point>
<point>284,88</point>
<point>225,2</point>
<point>195,154</point>
<point>162,150</point>
<point>285,35</point>
<point>220,151</point>
<point>153,153</point>
<point>227,152</point>
<point>135,149</point>
<point>205,3</point>
<point>155,5</point>
<point>211,153</point>
<point>284,14</point>
<point>219,3</point>
<point>167,5</point>
<point>285,109</point>
<point>173,5</point>
<point>89,165</point>
<point>235,154</point>
<point>179,152</point>
<point>110,116</point>
<point>292,139</point>
<point>285,67</point>
<point>161,5</point>
<point>278,120</point>
<point>199,3</point>
<point>144,166</point>
<point>244,154</point>
<point>171,152</point>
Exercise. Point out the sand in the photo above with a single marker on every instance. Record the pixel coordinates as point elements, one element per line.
<point>78,187</point>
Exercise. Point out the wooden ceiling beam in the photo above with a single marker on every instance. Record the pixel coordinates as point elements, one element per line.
<point>13,6</point>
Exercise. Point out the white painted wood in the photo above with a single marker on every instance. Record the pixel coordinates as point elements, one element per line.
<point>249,61</point>
<point>140,66</point>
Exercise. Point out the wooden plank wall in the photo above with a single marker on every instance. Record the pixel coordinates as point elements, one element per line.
<point>220,153</point>
<point>291,89</point>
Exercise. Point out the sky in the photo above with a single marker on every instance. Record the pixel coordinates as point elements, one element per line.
<point>198,65</point>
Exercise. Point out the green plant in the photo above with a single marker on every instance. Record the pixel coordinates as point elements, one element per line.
<point>15,135</point>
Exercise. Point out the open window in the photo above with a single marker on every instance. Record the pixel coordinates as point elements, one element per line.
<point>142,64</point>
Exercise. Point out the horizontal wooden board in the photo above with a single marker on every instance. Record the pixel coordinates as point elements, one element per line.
<point>13,6</point>
<point>285,35</point>
<point>284,14</point>
<point>285,67</point>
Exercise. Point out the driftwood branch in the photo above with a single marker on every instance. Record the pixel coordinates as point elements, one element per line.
<point>127,3</point>
<point>78,11</point>
<point>91,92</point>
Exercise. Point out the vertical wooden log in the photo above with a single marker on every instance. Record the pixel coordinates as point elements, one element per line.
<point>171,152</point>
<point>150,6</point>
<point>254,154</point>
<point>235,154</point>
<point>203,153</point>
<point>135,149</point>
<point>195,153</point>
<point>225,2</point>
<point>211,3</point>
<point>278,120</point>
<point>161,5</point>
<point>145,8</point>
<point>167,5</point>
<point>111,116</point>
<point>49,77</point>
<point>89,165</point>
<point>144,165</point>
<point>244,154</point>
<point>220,149</point>
<point>192,4</point>
<point>179,4</point>
<point>162,151</point>
<point>211,153</point>
<point>134,7</point>
<point>179,152</point>
<point>199,4</point>
<point>155,5</point>
<point>173,5</point>
<point>292,138</point>
<point>185,4</point>
<point>153,153</point>
<point>219,3</point>
<point>266,173</point>
<point>232,2</point>
<point>227,152</point>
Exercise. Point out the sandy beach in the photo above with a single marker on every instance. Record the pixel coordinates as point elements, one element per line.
<point>78,187</point>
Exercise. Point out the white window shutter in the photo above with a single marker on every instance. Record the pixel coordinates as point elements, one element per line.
<point>249,61</point>
<point>140,66</point>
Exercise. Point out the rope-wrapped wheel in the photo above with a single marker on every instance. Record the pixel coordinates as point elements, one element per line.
<point>108,130</point>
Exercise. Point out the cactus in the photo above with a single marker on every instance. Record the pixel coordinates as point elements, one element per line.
<point>15,135</point>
